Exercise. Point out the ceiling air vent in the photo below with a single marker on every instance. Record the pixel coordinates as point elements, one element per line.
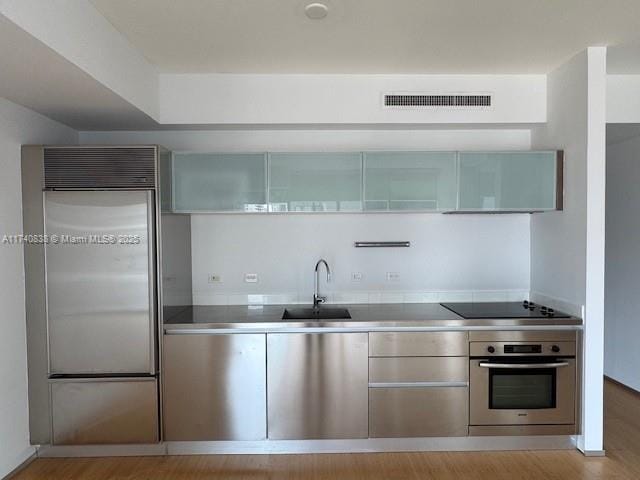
<point>462,101</point>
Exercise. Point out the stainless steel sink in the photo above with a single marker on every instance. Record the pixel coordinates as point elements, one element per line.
<point>317,313</point>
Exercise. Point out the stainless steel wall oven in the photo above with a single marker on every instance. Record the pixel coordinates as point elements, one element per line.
<point>516,383</point>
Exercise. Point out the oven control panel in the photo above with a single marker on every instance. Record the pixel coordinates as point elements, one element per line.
<point>526,348</point>
<point>507,349</point>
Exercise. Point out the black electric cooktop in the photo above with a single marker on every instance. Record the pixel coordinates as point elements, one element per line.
<point>524,309</point>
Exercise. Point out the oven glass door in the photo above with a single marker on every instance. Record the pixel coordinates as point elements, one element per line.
<point>522,389</point>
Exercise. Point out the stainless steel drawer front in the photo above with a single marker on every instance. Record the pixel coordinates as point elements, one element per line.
<point>418,369</point>
<point>418,344</point>
<point>104,411</point>
<point>215,387</point>
<point>418,412</point>
<point>317,385</point>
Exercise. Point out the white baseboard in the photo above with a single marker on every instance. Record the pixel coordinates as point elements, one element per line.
<point>21,461</point>
<point>594,453</point>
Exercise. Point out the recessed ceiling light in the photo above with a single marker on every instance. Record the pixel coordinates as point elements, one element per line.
<point>316,11</point>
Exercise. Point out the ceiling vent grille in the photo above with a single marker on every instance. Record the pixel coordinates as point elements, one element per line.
<point>463,101</point>
<point>99,167</point>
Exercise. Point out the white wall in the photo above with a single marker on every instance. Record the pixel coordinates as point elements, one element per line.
<point>176,260</point>
<point>622,326</point>
<point>558,239</point>
<point>310,140</point>
<point>567,248</point>
<point>623,98</point>
<point>343,99</point>
<point>17,126</point>
<point>451,256</point>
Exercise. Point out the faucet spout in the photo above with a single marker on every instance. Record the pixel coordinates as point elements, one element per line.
<point>317,298</point>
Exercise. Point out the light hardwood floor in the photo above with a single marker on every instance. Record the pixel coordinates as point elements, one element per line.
<point>622,442</point>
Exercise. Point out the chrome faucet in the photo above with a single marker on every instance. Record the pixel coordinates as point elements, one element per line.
<point>317,298</point>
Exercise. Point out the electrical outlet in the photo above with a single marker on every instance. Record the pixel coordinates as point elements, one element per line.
<point>213,278</point>
<point>356,276</point>
<point>393,276</point>
<point>251,278</point>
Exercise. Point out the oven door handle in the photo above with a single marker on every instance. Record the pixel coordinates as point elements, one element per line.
<point>523,366</point>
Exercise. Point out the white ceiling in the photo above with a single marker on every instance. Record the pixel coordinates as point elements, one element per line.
<point>369,36</point>
<point>36,77</point>
<point>624,59</point>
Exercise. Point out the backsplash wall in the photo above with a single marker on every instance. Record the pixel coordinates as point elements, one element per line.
<point>452,257</point>
<point>463,257</point>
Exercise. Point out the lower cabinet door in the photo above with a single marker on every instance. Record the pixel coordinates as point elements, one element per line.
<point>418,412</point>
<point>317,385</point>
<point>215,387</point>
<point>104,411</point>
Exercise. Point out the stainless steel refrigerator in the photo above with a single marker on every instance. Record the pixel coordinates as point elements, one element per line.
<point>101,314</point>
<point>101,307</point>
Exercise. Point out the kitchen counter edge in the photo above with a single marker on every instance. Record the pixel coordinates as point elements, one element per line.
<point>381,317</point>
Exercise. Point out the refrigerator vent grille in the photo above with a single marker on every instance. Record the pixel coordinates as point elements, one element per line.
<point>99,167</point>
<point>437,100</point>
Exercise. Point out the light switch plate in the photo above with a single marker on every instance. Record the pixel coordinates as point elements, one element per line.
<point>213,278</point>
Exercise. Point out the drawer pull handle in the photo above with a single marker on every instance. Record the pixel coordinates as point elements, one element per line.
<point>417,384</point>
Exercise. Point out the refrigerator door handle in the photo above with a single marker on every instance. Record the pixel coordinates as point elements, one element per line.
<point>151,240</point>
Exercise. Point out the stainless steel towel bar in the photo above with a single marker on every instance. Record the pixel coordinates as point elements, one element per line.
<point>381,244</point>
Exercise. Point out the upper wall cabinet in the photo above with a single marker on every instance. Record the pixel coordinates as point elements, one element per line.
<point>481,182</point>
<point>315,182</point>
<point>410,181</point>
<point>510,181</point>
<point>219,182</point>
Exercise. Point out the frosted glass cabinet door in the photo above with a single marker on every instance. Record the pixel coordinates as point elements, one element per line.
<point>219,182</point>
<point>424,181</point>
<point>505,181</point>
<point>315,182</point>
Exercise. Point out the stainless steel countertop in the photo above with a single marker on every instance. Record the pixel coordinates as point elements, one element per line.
<point>364,317</point>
